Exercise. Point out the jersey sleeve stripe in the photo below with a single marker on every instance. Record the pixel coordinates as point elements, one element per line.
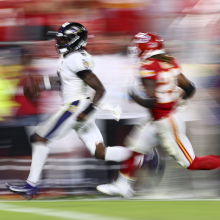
<point>147,73</point>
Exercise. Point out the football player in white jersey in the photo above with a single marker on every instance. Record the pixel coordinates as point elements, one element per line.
<point>74,76</point>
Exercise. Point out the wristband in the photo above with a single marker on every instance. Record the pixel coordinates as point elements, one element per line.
<point>47,83</point>
<point>89,109</point>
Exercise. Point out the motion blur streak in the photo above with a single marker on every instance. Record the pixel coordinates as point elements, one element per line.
<point>57,214</point>
<point>191,32</point>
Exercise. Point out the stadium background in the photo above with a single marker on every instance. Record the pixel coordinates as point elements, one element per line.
<point>191,33</point>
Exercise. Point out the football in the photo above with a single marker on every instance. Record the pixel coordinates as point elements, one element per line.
<point>31,88</point>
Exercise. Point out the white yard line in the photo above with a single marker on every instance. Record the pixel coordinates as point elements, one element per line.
<point>55,213</point>
<point>140,199</point>
<point>62,200</point>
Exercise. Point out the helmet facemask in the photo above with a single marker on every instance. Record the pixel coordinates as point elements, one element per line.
<point>62,43</point>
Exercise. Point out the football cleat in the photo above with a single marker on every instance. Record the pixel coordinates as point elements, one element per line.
<point>154,161</point>
<point>27,191</point>
<point>120,187</point>
<point>109,189</point>
<point>154,164</point>
<point>157,163</point>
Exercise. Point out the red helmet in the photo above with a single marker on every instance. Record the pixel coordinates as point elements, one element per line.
<point>147,44</point>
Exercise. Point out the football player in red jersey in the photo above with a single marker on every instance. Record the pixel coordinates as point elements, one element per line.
<point>162,79</point>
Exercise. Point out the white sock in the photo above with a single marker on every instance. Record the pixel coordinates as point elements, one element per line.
<point>124,179</point>
<point>117,154</point>
<point>39,156</point>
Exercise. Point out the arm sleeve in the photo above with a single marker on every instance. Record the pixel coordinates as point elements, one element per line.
<point>79,63</point>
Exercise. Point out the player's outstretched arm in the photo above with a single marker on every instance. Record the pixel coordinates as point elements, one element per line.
<point>188,86</point>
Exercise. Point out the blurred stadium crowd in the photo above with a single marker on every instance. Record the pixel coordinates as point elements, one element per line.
<point>191,30</point>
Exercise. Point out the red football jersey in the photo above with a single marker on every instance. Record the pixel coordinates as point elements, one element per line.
<point>167,92</point>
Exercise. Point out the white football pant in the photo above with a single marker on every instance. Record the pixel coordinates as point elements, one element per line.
<point>168,132</point>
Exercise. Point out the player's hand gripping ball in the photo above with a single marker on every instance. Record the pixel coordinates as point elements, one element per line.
<point>31,88</point>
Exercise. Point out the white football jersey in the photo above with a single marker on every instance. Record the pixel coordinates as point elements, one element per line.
<point>72,87</point>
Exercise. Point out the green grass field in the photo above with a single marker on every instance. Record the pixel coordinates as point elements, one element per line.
<point>110,210</point>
